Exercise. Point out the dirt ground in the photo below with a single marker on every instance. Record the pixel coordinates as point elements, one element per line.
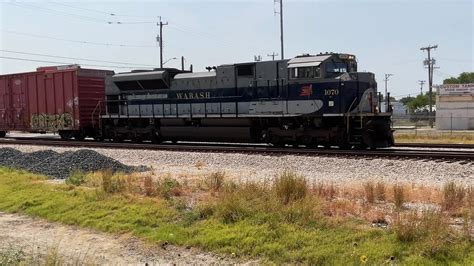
<point>36,237</point>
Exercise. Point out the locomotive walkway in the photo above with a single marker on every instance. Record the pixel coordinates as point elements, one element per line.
<point>414,151</point>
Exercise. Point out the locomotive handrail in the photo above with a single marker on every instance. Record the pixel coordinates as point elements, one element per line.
<point>178,102</point>
<point>348,128</point>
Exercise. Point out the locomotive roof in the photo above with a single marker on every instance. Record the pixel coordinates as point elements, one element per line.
<point>138,75</point>
<point>196,75</point>
<point>307,59</point>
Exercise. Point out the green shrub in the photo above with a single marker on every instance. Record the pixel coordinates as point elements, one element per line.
<point>429,229</point>
<point>112,183</point>
<point>168,187</point>
<point>77,178</point>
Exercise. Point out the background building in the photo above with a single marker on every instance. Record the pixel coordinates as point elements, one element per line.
<point>455,107</point>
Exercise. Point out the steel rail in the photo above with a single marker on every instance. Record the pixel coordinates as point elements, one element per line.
<point>397,145</point>
<point>385,153</point>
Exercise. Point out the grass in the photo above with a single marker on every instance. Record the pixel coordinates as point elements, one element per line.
<point>281,222</point>
<point>32,256</point>
<point>435,138</point>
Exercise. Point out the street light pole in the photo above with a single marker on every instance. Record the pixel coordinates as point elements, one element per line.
<point>387,100</point>
<point>386,80</point>
<point>174,58</point>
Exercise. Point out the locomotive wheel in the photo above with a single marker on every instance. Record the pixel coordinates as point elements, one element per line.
<point>155,137</point>
<point>279,145</point>
<point>361,146</point>
<point>345,146</point>
<point>3,134</point>
<point>312,145</point>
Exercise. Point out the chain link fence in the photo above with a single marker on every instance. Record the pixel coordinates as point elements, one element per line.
<point>444,124</point>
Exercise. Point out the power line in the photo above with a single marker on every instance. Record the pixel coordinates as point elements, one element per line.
<point>421,82</point>
<point>77,41</point>
<point>76,16</point>
<point>56,62</point>
<point>101,12</point>
<point>273,55</point>
<point>88,18</point>
<point>55,12</point>
<point>74,58</point>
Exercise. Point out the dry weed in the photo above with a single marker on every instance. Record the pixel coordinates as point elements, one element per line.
<point>380,191</point>
<point>398,196</point>
<point>453,196</point>
<point>290,187</point>
<point>325,191</point>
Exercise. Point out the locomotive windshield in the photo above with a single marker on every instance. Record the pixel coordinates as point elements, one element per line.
<point>336,67</point>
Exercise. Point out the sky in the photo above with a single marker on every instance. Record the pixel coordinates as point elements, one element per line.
<point>385,35</point>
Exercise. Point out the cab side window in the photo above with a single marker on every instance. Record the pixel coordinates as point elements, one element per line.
<point>305,72</point>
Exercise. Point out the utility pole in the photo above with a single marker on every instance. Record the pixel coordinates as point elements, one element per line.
<point>272,55</point>
<point>281,28</point>
<point>430,63</point>
<point>386,80</point>
<point>421,82</point>
<point>160,40</point>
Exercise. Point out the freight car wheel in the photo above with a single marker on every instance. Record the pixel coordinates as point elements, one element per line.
<point>65,135</point>
<point>3,134</point>
<point>79,136</point>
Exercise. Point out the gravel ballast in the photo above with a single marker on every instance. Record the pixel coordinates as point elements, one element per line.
<point>60,165</point>
<point>260,167</point>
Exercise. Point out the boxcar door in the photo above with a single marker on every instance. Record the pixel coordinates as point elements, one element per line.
<point>4,103</point>
<point>18,103</point>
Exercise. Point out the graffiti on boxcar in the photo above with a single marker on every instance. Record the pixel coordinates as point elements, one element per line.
<point>49,122</point>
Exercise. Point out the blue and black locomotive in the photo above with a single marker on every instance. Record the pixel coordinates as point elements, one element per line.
<point>309,100</point>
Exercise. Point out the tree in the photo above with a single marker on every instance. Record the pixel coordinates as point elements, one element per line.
<point>465,77</point>
<point>419,102</point>
<point>406,100</point>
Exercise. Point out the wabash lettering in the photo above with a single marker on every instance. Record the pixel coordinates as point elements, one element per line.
<point>193,95</point>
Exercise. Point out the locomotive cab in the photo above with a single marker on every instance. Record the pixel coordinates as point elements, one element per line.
<point>321,66</point>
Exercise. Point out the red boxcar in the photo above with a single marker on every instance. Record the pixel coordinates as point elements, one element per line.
<point>52,99</point>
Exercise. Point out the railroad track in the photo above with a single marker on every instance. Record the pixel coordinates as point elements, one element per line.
<point>397,153</point>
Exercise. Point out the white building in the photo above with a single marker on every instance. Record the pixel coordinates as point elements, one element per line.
<point>455,107</point>
<point>398,108</point>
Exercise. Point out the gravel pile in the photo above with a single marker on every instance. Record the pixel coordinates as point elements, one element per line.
<point>61,165</point>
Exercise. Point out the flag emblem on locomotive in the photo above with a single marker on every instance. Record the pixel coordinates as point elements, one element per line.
<point>306,90</point>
